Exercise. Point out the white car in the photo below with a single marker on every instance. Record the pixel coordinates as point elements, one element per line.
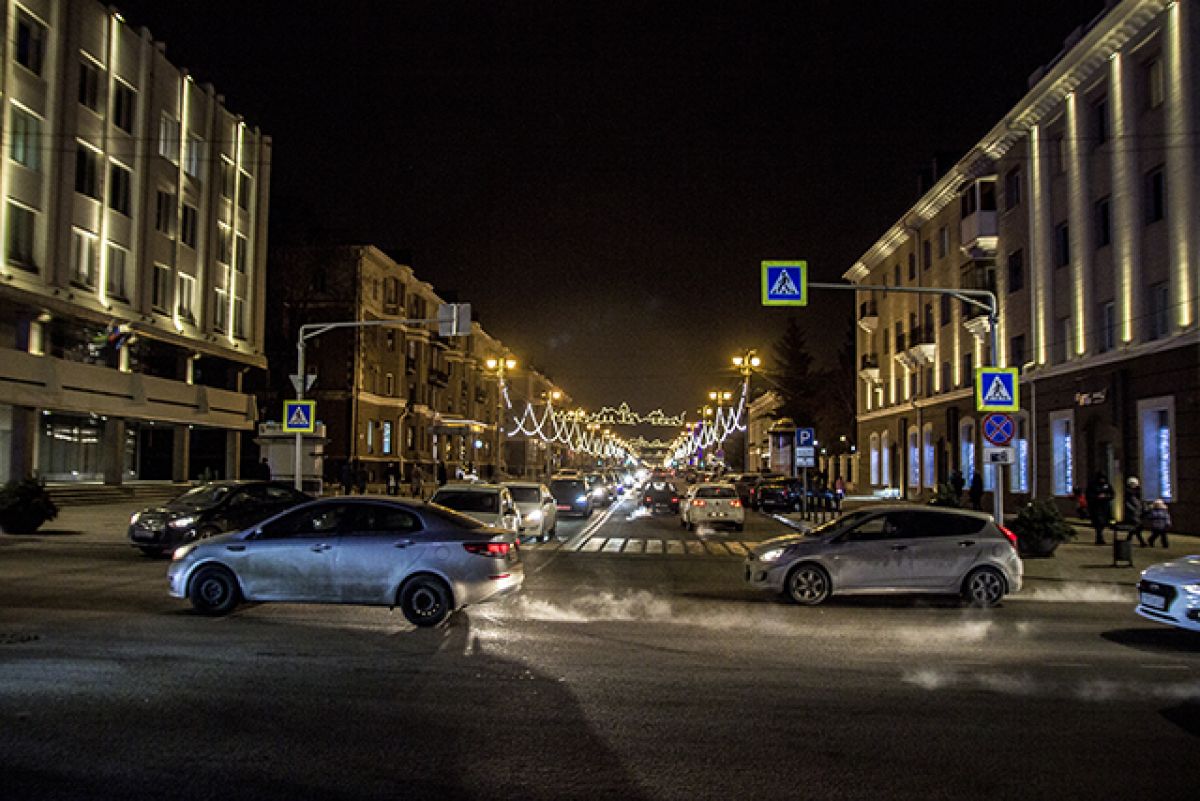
<point>712,504</point>
<point>490,504</point>
<point>1169,592</point>
<point>539,515</point>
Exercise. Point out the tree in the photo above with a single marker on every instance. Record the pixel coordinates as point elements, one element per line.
<point>794,375</point>
<point>839,401</point>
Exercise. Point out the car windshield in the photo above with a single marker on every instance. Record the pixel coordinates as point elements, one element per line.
<point>207,495</point>
<point>452,517</point>
<point>481,502</point>
<point>525,494</point>
<point>716,492</point>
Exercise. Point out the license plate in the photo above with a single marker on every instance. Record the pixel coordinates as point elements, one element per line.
<point>1153,601</point>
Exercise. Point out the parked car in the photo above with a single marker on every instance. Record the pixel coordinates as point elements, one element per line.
<point>780,493</point>
<point>537,507</point>
<point>208,510</point>
<point>660,495</point>
<point>490,504</point>
<point>892,549</point>
<point>714,505</point>
<point>1169,592</point>
<point>426,559</point>
<point>571,497</point>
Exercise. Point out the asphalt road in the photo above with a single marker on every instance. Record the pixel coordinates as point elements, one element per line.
<point>616,673</point>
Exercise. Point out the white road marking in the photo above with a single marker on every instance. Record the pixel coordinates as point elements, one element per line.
<point>654,546</point>
<point>614,545</point>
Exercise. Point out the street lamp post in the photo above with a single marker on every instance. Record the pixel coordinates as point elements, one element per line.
<point>499,367</point>
<point>746,364</point>
<point>550,397</point>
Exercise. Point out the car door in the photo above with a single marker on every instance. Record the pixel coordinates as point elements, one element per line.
<point>944,547</point>
<point>874,554</point>
<point>291,558</point>
<point>376,550</point>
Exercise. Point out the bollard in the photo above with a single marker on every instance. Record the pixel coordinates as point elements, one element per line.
<point>1122,549</point>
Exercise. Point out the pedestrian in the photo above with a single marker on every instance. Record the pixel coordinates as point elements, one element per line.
<point>1133,510</point>
<point>441,473</point>
<point>347,477</point>
<point>1099,494</point>
<point>418,482</point>
<point>1158,519</point>
<point>264,469</point>
<point>1081,507</point>
<point>976,491</point>
<point>393,479</point>
<point>957,484</point>
<point>839,491</point>
<point>360,479</point>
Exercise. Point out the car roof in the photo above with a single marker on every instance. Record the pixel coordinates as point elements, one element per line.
<point>910,507</point>
<point>528,484</point>
<point>470,486</point>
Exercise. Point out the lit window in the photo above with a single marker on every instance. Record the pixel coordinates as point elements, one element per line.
<point>914,458</point>
<point>966,449</point>
<point>183,296</point>
<point>1157,418</point>
<point>885,460</point>
<point>168,138</point>
<point>1063,467</point>
<point>194,156</point>
<point>1018,473</point>
<point>114,283</point>
<point>220,309</point>
<point>25,139</point>
<point>83,258</point>
<point>928,466</point>
<point>874,459</point>
<point>387,436</point>
<point>370,436</point>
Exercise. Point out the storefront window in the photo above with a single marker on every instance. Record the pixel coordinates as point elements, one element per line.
<point>874,460</point>
<point>885,460</point>
<point>1157,418</point>
<point>69,448</point>
<point>1018,473</point>
<point>914,458</point>
<point>1060,437</point>
<point>927,454</point>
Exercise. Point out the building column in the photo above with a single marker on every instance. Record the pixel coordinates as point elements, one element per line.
<point>1126,193</point>
<point>233,454</point>
<point>1180,146</point>
<point>112,451</point>
<point>1080,217</point>
<point>181,453</point>
<point>23,451</point>
<point>1041,269</point>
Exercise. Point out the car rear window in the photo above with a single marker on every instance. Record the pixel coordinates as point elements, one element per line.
<point>482,502</point>
<point>525,494</point>
<point>936,524</point>
<point>716,492</point>
<point>566,487</point>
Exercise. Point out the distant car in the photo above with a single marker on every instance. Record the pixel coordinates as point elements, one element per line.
<point>714,505</point>
<point>539,515</point>
<point>660,495</point>
<point>208,510</point>
<point>490,504</point>
<point>783,494</point>
<point>426,559</point>
<point>895,549</point>
<point>571,497</point>
<point>1169,592</point>
<point>567,472</point>
<point>602,493</point>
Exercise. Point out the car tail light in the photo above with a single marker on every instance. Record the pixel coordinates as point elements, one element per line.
<point>1012,538</point>
<point>648,499</point>
<point>674,499</point>
<point>736,503</point>
<point>698,502</point>
<point>496,550</point>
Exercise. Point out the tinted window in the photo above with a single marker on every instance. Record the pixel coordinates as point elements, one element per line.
<point>891,526</point>
<point>563,489</point>
<point>526,494</point>
<point>716,492</point>
<point>207,495</point>
<point>380,519</point>
<point>282,494</point>
<point>932,524</point>
<point>481,502</point>
<point>324,518</point>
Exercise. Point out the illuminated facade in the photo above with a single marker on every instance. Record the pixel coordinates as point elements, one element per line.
<point>134,227</point>
<point>1079,211</point>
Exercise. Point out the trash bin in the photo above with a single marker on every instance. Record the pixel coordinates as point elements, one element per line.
<point>1122,550</point>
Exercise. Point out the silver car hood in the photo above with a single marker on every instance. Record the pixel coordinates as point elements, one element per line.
<point>788,540</point>
<point>1184,570</point>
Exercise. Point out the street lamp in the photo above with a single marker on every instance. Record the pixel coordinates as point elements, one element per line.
<point>745,364</point>
<point>499,367</point>
<point>550,397</point>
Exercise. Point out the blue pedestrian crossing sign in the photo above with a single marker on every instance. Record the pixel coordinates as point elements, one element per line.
<point>785,283</point>
<point>299,416</point>
<point>996,389</point>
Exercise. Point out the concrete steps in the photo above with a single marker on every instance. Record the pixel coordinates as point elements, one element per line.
<point>98,494</point>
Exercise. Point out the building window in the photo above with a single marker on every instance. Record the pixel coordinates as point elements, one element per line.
<point>946,383</point>
<point>114,283</point>
<point>83,258</point>
<point>124,103</point>
<point>244,191</point>
<point>927,456</point>
<point>874,459</point>
<point>885,460</point>
<point>1016,350</point>
<point>22,223</point>
<point>184,288</point>
<point>1155,88</point>
<point>164,212</point>
<point>226,178</point>
<point>1158,298</point>
<point>943,241</point>
<point>1018,474</point>
<point>118,189</point>
<point>31,42</point>
<point>25,139</point>
<point>1156,195</point>
<point>1106,327</point>
<point>390,384</point>
<point>239,256</point>
<point>370,436</point>
<point>966,450</point>
<point>927,254</point>
<point>194,156</point>
<point>1012,188</point>
<point>220,309</point>
<point>968,370</point>
<point>912,266</point>
<point>1061,346</point>
<point>224,244</point>
<point>1016,271</point>
<point>239,318</point>
<point>87,171</point>
<point>914,458</point>
<point>162,288</point>
<point>1063,471</point>
<point>1103,222</point>
<point>1156,432</point>
<point>896,272</point>
<point>187,226</point>
<point>168,138</point>
<point>386,434</point>
<point>944,309</point>
<point>1062,245</point>
<point>1100,121</point>
<point>89,85</point>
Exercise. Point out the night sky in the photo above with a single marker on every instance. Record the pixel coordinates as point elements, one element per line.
<point>600,180</point>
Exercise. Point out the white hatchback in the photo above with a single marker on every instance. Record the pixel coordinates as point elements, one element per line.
<point>490,504</point>
<point>712,504</point>
<point>1169,592</point>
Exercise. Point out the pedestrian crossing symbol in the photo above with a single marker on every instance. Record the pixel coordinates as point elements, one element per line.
<point>996,389</point>
<point>785,283</point>
<point>298,416</point>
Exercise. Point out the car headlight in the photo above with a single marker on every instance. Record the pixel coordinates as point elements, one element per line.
<point>183,550</point>
<point>1192,589</point>
<point>533,516</point>
<point>581,499</point>
<point>182,522</point>
<point>133,518</point>
<point>771,555</point>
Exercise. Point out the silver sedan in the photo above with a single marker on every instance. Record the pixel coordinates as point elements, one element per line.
<point>428,560</point>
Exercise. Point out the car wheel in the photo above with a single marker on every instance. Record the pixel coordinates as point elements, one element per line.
<point>983,587</point>
<point>214,591</point>
<point>207,531</point>
<point>808,584</point>
<point>425,601</point>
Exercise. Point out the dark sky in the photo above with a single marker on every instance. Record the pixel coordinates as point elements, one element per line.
<point>601,179</point>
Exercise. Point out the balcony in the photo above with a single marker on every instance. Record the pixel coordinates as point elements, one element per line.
<point>922,345</point>
<point>978,276</point>
<point>868,369</point>
<point>979,229</point>
<point>439,378</point>
<point>868,316</point>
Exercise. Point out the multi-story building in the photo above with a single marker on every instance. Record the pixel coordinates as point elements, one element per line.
<point>134,227</point>
<point>1079,211</point>
<point>393,397</point>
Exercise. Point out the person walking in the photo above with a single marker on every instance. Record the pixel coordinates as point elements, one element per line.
<point>1133,510</point>
<point>442,474</point>
<point>1158,520</point>
<point>346,477</point>
<point>957,484</point>
<point>976,491</point>
<point>1099,494</point>
<point>393,479</point>
<point>418,482</point>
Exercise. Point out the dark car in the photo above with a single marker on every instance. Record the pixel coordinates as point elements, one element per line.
<point>660,495</point>
<point>598,486</point>
<point>207,510</point>
<point>777,493</point>
<point>571,497</point>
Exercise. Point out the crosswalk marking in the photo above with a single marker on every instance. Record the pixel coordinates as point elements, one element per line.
<point>716,549</point>
<point>694,548</point>
<point>737,548</point>
<point>634,546</point>
<point>674,546</point>
<point>654,546</point>
<point>614,545</point>
<point>638,546</point>
<point>591,546</point>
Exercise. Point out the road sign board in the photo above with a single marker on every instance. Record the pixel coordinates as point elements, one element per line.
<point>310,379</point>
<point>806,456</point>
<point>999,429</point>
<point>996,389</point>
<point>299,416</point>
<point>999,455</point>
<point>806,436</point>
<point>454,319</point>
<point>785,283</point>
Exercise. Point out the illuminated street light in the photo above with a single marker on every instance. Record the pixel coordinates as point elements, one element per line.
<point>746,364</point>
<point>499,367</point>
